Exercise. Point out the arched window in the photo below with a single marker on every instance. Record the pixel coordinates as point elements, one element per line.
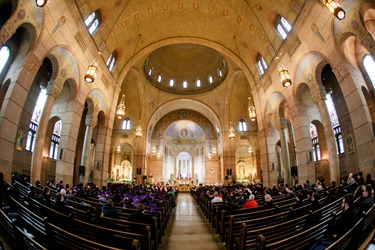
<point>261,64</point>
<point>282,27</point>
<point>242,125</point>
<point>171,83</point>
<point>4,57</point>
<point>369,65</point>
<point>315,143</point>
<point>54,147</point>
<point>335,124</point>
<point>92,22</point>
<point>126,124</point>
<point>198,82</point>
<point>33,127</point>
<point>111,62</point>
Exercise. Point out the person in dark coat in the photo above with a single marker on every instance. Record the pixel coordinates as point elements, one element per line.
<point>109,211</point>
<point>367,201</point>
<point>140,216</point>
<point>45,197</point>
<point>59,205</point>
<point>316,203</point>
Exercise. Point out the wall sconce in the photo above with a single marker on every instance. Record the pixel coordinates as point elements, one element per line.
<point>45,156</point>
<point>286,81</point>
<point>41,3</point>
<point>334,8</point>
<point>214,151</point>
<point>118,148</point>
<point>209,156</point>
<point>158,156</point>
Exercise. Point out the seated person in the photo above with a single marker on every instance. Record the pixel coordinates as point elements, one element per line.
<point>251,203</point>
<point>109,211</point>
<point>140,216</point>
<point>300,202</point>
<point>367,200</point>
<point>268,201</point>
<point>45,197</point>
<point>216,198</point>
<point>59,205</point>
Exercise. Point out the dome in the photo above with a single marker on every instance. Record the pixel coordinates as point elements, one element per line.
<point>185,68</point>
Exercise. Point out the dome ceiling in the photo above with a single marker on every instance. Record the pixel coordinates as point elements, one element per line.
<point>185,68</point>
<point>235,29</point>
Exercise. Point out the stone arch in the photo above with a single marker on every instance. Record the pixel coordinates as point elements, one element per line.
<point>182,104</point>
<point>142,53</point>
<point>64,64</point>
<point>20,44</point>
<point>367,15</point>
<point>370,102</point>
<point>96,102</point>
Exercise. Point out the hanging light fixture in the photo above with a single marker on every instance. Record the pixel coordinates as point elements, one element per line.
<point>286,81</point>
<point>41,3</point>
<point>93,68</point>
<point>120,112</point>
<point>118,149</point>
<point>250,150</point>
<point>232,132</point>
<point>334,8</point>
<point>214,150</point>
<point>251,109</point>
<point>138,131</point>
<point>158,156</point>
<point>209,156</point>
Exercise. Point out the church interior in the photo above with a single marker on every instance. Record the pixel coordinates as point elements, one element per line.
<point>187,92</point>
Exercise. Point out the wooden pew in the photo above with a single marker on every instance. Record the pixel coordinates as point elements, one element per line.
<point>350,240</point>
<point>59,238</point>
<point>107,236</point>
<point>226,215</point>
<point>258,220</point>
<point>299,240</point>
<point>248,234</point>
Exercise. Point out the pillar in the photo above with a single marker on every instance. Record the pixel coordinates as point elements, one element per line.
<point>53,90</point>
<point>85,159</point>
<point>285,159</point>
<point>319,96</point>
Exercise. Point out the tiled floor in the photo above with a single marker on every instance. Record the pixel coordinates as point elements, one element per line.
<point>188,229</point>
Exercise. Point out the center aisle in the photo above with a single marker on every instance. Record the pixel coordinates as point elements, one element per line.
<point>188,228</point>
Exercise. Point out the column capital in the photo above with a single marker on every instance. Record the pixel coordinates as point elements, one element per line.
<point>282,124</point>
<point>53,89</point>
<point>90,121</point>
<point>319,93</point>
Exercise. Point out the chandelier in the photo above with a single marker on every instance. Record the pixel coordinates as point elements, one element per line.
<point>41,3</point>
<point>334,8</point>
<point>251,109</point>
<point>286,81</point>
<point>120,112</point>
<point>138,131</point>
<point>232,134</point>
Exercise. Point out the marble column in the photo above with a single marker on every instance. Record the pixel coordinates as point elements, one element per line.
<point>85,159</point>
<point>319,96</point>
<point>285,158</point>
<point>53,90</point>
